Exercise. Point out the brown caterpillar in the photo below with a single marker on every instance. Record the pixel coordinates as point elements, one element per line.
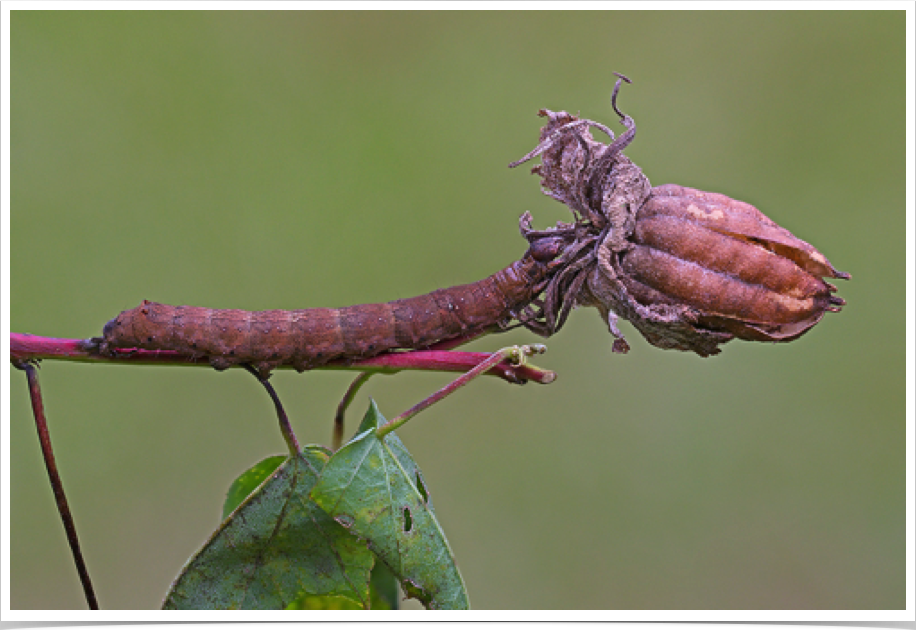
<point>308,338</point>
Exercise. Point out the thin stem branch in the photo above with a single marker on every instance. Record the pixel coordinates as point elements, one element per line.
<point>63,508</point>
<point>516,354</point>
<point>24,347</point>
<point>441,347</point>
<point>337,439</point>
<point>286,429</point>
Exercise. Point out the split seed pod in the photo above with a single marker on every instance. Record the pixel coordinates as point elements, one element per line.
<point>725,269</point>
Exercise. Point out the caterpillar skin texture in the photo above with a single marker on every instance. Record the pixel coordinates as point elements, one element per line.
<point>308,338</point>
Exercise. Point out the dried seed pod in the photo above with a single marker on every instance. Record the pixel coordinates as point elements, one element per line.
<point>689,269</point>
<point>702,268</point>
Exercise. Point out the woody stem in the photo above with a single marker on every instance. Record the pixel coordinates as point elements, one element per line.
<point>63,508</point>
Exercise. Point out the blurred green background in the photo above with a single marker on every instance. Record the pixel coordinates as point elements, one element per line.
<point>289,160</point>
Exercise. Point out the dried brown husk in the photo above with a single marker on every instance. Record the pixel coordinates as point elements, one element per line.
<point>738,270</point>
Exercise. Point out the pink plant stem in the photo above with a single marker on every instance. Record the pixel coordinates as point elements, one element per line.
<point>25,347</point>
<point>478,370</point>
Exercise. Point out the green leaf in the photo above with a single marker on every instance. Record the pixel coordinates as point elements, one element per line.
<point>276,546</point>
<point>375,489</point>
<point>324,602</point>
<point>383,588</point>
<point>248,481</point>
<point>383,595</point>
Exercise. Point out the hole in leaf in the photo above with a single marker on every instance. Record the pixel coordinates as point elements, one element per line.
<point>422,488</point>
<point>408,520</point>
<point>415,591</point>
